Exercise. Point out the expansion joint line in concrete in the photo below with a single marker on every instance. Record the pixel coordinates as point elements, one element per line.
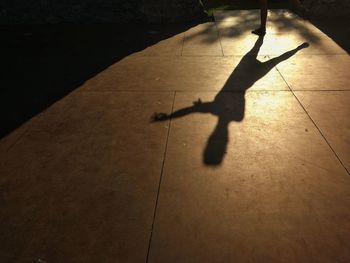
<point>160,181</point>
<point>219,36</point>
<point>183,43</point>
<point>312,120</point>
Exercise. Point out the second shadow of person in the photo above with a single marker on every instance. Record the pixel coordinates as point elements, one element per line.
<point>229,104</point>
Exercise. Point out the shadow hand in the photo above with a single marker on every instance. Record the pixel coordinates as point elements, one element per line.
<point>304,45</point>
<point>198,102</point>
<point>160,116</point>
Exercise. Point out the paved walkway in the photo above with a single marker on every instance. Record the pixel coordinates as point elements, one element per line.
<point>210,146</point>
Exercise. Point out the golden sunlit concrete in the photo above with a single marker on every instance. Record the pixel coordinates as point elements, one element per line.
<point>212,145</point>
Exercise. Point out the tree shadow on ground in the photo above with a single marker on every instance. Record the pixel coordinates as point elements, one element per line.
<point>40,64</point>
<point>239,22</point>
<point>229,104</point>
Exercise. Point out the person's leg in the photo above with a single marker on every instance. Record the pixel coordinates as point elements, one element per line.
<point>263,17</point>
<point>263,13</point>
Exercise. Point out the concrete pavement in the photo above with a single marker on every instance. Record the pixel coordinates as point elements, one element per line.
<point>209,146</point>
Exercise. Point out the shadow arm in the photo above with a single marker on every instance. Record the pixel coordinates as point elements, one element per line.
<point>198,106</point>
<point>160,116</point>
<point>273,62</point>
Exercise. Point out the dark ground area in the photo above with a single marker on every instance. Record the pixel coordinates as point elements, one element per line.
<point>43,63</point>
<point>338,30</point>
<point>211,5</point>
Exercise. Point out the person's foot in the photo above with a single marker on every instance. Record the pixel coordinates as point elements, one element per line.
<point>259,31</point>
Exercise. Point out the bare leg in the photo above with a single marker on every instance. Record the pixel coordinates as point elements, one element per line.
<point>263,17</point>
<point>263,13</point>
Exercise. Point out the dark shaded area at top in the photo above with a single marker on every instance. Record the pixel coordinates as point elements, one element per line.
<point>57,11</point>
<point>337,29</point>
<point>42,63</point>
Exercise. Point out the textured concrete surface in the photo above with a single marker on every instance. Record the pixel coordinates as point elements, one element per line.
<point>280,194</point>
<point>330,110</point>
<point>211,145</point>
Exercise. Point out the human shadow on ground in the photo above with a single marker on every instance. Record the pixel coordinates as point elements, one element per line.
<point>40,64</point>
<point>229,104</point>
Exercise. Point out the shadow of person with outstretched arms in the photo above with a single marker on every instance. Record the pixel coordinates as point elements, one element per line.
<point>229,104</point>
